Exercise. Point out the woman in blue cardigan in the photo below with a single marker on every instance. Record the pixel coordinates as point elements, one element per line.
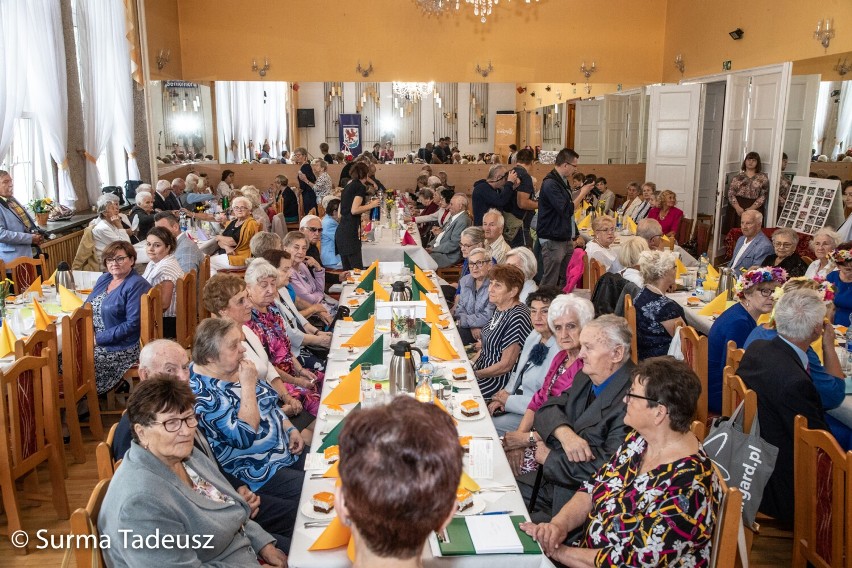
<point>116,314</point>
<point>473,309</point>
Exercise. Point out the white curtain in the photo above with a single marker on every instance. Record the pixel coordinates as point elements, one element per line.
<point>252,111</point>
<point>821,118</point>
<point>13,75</point>
<point>223,119</point>
<point>844,121</point>
<point>46,82</point>
<point>124,131</point>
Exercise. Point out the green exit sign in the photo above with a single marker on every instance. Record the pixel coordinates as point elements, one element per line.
<point>726,65</point>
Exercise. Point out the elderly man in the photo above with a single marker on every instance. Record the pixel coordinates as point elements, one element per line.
<point>652,232</point>
<point>164,199</point>
<point>492,226</point>
<point>578,431</point>
<point>497,191</point>
<point>18,232</point>
<point>187,253</point>
<point>311,227</point>
<point>446,250</point>
<point>777,370</point>
<point>753,246</point>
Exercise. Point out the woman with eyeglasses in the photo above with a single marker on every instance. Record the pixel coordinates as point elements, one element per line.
<point>784,241</point>
<point>755,297</point>
<point>598,247</point>
<point>473,309</point>
<point>167,486</point>
<point>116,315</point>
<point>654,502</point>
<point>234,240</point>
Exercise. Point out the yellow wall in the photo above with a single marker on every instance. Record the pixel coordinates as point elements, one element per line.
<point>569,92</point>
<point>162,23</point>
<point>824,66</point>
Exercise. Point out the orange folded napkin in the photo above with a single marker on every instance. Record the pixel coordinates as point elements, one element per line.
<point>35,287</point>
<point>349,389</point>
<point>42,318</point>
<point>408,239</point>
<point>52,280</point>
<point>332,471</point>
<point>424,280</point>
<point>433,311</point>
<point>364,336</point>
<point>381,293</point>
<point>717,306</point>
<point>681,269</point>
<point>468,483</point>
<point>68,300</point>
<point>7,339</point>
<point>335,535</point>
<point>440,347</point>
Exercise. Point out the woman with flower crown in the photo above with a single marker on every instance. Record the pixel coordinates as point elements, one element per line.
<point>842,280</point>
<point>755,292</point>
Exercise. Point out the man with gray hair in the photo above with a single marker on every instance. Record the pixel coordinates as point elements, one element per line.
<point>495,192</point>
<point>753,246</point>
<point>778,371</point>
<point>311,227</point>
<point>164,198</point>
<point>263,242</point>
<point>652,232</point>
<point>446,250</point>
<point>492,226</point>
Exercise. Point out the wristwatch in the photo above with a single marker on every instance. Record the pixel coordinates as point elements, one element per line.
<point>532,438</point>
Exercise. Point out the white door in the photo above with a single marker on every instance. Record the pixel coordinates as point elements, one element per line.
<point>765,134</point>
<point>589,131</point>
<point>711,147</point>
<point>673,140</point>
<point>799,123</point>
<point>634,123</point>
<point>615,119</point>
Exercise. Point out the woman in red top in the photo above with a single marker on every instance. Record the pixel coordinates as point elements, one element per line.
<point>667,214</point>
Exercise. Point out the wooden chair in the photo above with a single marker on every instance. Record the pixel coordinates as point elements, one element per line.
<point>596,270</point>
<point>203,277</point>
<point>186,310</point>
<point>724,549</point>
<point>822,479</point>
<point>25,270</point>
<point>152,316</point>
<point>684,230</point>
<point>734,391</point>
<point>695,352</point>
<point>29,434</point>
<point>698,429</point>
<point>808,260</point>
<point>630,316</point>
<point>105,456</point>
<point>84,522</point>
<point>733,356</point>
<point>703,232</point>
<point>451,274</point>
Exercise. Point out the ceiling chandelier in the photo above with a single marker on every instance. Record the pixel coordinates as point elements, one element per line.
<point>413,91</point>
<point>481,8</point>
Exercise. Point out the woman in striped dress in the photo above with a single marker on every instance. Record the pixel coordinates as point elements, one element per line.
<point>505,333</point>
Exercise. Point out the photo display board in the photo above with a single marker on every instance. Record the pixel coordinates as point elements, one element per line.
<point>812,204</point>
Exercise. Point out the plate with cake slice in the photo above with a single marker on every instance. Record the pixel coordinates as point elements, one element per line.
<point>469,409</point>
<point>468,503</point>
<point>320,506</point>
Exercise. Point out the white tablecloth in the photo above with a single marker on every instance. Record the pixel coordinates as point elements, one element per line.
<point>388,249</point>
<point>702,324</point>
<point>300,557</point>
<point>687,259</point>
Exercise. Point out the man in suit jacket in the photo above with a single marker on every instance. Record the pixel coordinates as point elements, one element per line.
<point>447,248</point>
<point>187,253</point>
<point>753,246</point>
<point>777,371</point>
<point>18,231</point>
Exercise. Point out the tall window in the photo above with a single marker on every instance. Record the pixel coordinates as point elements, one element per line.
<point>28,163</point>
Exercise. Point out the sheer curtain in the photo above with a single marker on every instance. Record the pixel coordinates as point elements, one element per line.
<point>252,112</point>
<point>844,121</point>
<point>821,118</point>
<point>13,75</point>
<point>223,119</point>
<point>46,83</point>
<point>124,131</point>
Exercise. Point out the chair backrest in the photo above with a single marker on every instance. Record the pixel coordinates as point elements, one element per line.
<point>152,316</point>
<point>695,352</point>
<point>733,356</point>
<point>723,550</point>
<point>577,271</point>
<point>25,270</point>
<point>203,277</point>
<point>185,309</point>
<point>78,345</point>
<point>822,476</point>
<point>84,522</point>
<point>735,391</point>
<point>703,232</point>
<point>596,270</point>
<point>630,316</point>
<point>698,430</point>
<point>684,230</point>
<point>105,456</point>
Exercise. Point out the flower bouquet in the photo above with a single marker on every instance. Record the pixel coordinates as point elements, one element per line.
<point>42,208</point>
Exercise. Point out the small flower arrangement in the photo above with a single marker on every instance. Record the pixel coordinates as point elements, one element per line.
<point>826,288</point>
<point>42,205</point>
<point>752,278</point>
<point>842,256</point>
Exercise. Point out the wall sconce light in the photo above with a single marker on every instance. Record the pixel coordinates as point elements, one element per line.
<point>678,63</point>
<point>842,68</point>
<point>260,70</point>
<point>547,88</point>
<point>736,34</point>
<point>587,71</point>
<point>588,88</point>
<point>824,32</point>
<point>364,71</point>
<point>484,71</point>
<point>521,90</point>
<point>163,58</point>
<point>558,95</point>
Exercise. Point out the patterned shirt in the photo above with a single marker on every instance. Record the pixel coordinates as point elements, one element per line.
<point>504,330</point>
<point>663,517</point>
<point>756,187</point>
<point>271,329</point>
<point>652,310</point>
<point>252,456</point>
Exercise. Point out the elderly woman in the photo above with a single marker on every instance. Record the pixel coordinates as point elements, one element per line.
<point>473,309</point>
<point>659,464</point>
<point>330,222</point>
<point>168,486</point>
<point>632,200</point>
<point>523,258</point>
<point>109,227</point>
<point>566,317</point>
<point>755,292</point>
<point>353,203</point>
<point>234,240</point>
<point>505,333</point>
<point>657,316</point>
<point>471,238</point>
<point>598,247</point>
<point>507,405</point>
<point>666,213</point>
<point>116,315</point>
<point>258,212</point>
<point>375,498</point>
<point>628,257</point>
<point>429,207</point>
<point>823,244</point>
<point>308,275</point>
<point>270,326</point>
<point>842,280</point>
<point>164,270</point>
<point>142,214</point>
<point>322,186</point>
<point>251,437</point>
<point>784,241</point>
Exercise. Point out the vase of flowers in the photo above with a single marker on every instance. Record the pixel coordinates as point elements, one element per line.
<point>42,208</point>
<point>6,287</point>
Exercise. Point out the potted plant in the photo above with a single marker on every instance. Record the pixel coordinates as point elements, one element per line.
<point>42,208</point>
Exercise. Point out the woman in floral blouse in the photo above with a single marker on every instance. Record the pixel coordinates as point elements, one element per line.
<point>655,502</point>
<point>747,190</point>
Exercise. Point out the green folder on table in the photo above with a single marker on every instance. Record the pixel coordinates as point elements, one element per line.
<point>333,437</point>
<point>366,309</point>
<point>460,543</point>
<point>366,282</point>
<point>408,261</point>
<point>373,354</point>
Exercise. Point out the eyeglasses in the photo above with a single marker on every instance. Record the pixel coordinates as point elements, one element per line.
<point>240,208</point>
<point>766,292</point>
<point>781,244</point>
<point>115,260</point>
<point>314,229</point>
<point>173,424</point>
<point>479,263</point>
<point>629,395</point>
<point>610,230</point>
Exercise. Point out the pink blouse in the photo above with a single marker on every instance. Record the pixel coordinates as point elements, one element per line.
<point>672,221</point>
<point>556,382</point>
<point>309,287</point>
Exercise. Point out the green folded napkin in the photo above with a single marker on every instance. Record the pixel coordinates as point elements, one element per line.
<point>425,328</point>
<point>417,291</point>
<point>366,282</point>
<point>332,438</point>
<point>408,261</point>
<point>366,309</point>
<point>373,354</point>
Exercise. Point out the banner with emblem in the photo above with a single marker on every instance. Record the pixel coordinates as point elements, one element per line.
<point>349,133</point>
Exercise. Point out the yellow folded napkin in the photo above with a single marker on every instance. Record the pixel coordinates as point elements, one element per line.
<point>586,223</point>
<point>68,300</point>
<point>364,336</point>
<point>381,293</point>
<point>335,535</point>
<point>424,280</point>
<point>711,284</point>
<point>681,269</point>
<point>712,272</point>
<point>667,241</point>
<point>764,318</point>
<point>630,224</point>
<point>717,306</point>
<point>52,280</point>
<point>433,311</point>
<point>578,214</point>
<point>7,339</point>
<point>440,347</point>
<point>349,389</point>
<point>468,483</point>
<point>332,471</point>
<point>35,287</point>
<point>42,318</point>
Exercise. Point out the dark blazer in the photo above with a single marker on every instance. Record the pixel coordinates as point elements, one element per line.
<point>555,209</point>
<point>121,311</point>
<point>600,423</point>
<point>784,389</point>
<point>485,197</point>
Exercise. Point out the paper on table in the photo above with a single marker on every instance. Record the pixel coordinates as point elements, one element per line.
<point>315,461</point>
<point>480,459</point>
<point>494,534</point>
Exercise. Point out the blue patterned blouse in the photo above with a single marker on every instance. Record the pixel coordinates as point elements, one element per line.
<point>249,455</point>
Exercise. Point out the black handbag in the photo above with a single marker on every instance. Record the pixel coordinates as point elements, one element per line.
<point>115,190</point>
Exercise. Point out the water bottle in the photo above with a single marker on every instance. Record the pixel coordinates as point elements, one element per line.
<point>848,366</point>
<point>618,222</point>
<point>702,266</point>
<point>378,396</point>
<point>699,288</point>
<point>423,392</point>
<point>183,224</point>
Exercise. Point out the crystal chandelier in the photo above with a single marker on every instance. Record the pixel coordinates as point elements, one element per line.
<point>413,91</point>
<point>481,8</point>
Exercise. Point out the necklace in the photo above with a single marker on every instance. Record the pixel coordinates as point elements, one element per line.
<point>495,321</point>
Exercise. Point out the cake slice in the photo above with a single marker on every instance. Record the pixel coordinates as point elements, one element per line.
<point>334,411</point>
<point>465,443</point>
<point>469,408</point>
<point>323,502</point>
<point>460,374</point>
<point>464,499</point>
<point>332,454</point>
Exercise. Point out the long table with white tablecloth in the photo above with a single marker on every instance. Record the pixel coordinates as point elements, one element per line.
<point>388,248</point>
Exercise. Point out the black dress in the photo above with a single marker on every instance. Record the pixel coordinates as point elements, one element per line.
<point>793,264</point>
<point>146,221</point>
<point>309,196</point>
<point>347,239</point>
